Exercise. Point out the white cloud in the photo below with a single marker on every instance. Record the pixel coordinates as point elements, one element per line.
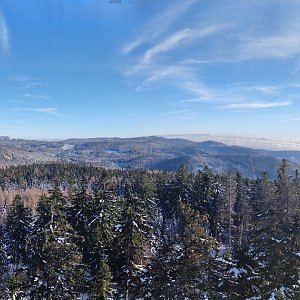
<point>194,61</point>
<point>45,110</point>
<point>4,34</point>
<point>179,38</point>
<point>168,44</point>
<point>271,90</point>
<point>255,46</point>
<point>34,96</point>
<point>257,105</point>
<point>281,46</point>
<point>22,78</point>
<point>159,74</point>
<point>190,100</point>
<point>171,113</point>
<point>33,84</point>
<point>202,92</point>
<point>231,34</point>
<point>159,25</point>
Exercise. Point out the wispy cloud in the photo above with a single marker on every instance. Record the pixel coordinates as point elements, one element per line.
<point>237,96</point>
<point>257,105</point>
<point>35,96</point>
<point>190,100</point>
<point>151,61</point>
<point>215,37</point>
<point>168,44</point>
<point>34,84</point>
<point>193,61</point>
<point>271,90</point>
<point>171,113</point>
<point>159,25</point>
<point>45,110</point>
<point>253,47</point>
<point>201,91</point>
<point>4,34</point>
<point>281,46</point>
<point>22,78</point>
<point>179,38</point>
<point>28,82</point>
<point>158,74</point>
<point>14,101</point>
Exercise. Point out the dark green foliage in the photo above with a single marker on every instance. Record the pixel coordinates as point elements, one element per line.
<point>132,239</point>
<point>115,234</point>
<point>184,267</point>
<point>55,269</point>
<point>19,223</point>
<point>4,276</point>
<point>101,230</point>
<point>101,288</point>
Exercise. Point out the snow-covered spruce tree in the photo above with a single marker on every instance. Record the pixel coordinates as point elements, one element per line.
<point>281,260</point>
<point>101,288</point>
<point>19,224</point>
<point>55,268</point>
<point>182,183</point>
<point>167,205</point>
<point>80,214</point>
<point>185,267</point>
<point>18,230</point>
<point>206,198</point>
<point>274,238</point>
<point>241,211</point>
<point>93,217</point>
<point>101,230</point>
<point>4,268</point>
<point>202,190</point>
<point>131,241</point>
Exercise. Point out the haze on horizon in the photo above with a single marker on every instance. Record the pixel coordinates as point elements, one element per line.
<point>135,68</point>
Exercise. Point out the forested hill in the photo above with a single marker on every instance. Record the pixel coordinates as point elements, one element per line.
<point>153,153</point>
<point>99,233</point>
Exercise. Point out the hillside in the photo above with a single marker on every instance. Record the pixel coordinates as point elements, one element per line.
<point>154,153</point>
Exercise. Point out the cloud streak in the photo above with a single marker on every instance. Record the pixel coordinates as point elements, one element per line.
<point>4,34</point>
<point>216,39</point>
<point>280,46</point>
<point>35,96</point>
<point>22,78</point>
<point>172,113</point>
<point>45,110</point>
<point>257,105</point>
<point>33,84</point>
<point>159,25</point>
<point>180,37</point>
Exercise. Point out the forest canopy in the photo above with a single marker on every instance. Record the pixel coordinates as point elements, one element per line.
<point>95,233</point>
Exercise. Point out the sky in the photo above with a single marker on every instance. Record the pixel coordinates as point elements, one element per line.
<point>99,68</point>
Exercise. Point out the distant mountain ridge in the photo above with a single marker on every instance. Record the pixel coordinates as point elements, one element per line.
<point>154,153</point>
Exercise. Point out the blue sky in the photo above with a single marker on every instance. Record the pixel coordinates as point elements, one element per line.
<point>90,68</point>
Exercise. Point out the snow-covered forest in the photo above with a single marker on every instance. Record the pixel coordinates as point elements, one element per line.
<point>119,234</point>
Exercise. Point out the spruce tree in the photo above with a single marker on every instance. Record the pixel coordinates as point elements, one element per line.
<point>56,270</point>
<point>132,240</point>
<point>19,224</point>
<point>101,230</point>
<point>183,268</point>
<point>101,288</point>
<point>4,268</point>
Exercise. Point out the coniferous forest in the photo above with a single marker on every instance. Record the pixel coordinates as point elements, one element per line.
<point>118,234</point>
